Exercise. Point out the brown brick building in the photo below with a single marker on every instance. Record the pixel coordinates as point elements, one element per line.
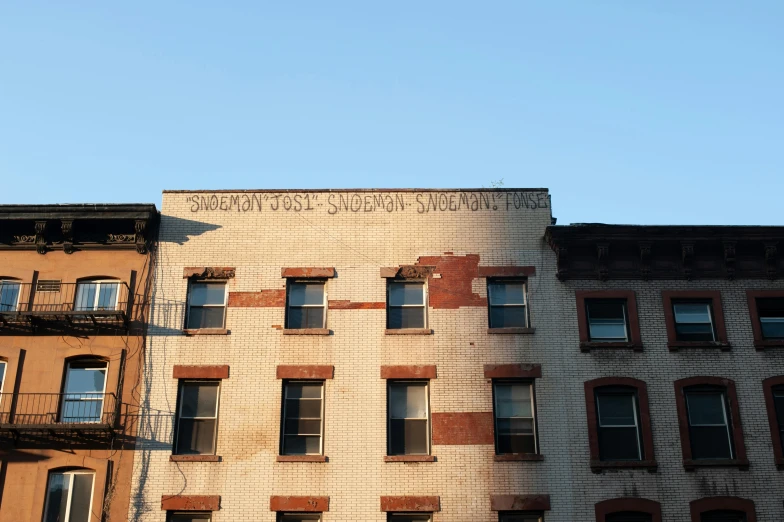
<point>75,282</point>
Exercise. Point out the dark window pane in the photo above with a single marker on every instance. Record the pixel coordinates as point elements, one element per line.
<point>301,445</point>
<point>629,516</point>
<point>411,317</point>
<point>619,444</point>
<point>205,317</point>
<point>778,401</point>
<point>310,408</point>
<point>710,442</point>
<point>409,437</point>
<point>616,409</point>
<point>771,314</point>
<point>57,497</point>
<point>306,294</point>
<point>199,399</point>
<point>299,517</point>
<point>296,390</point>
<point>507,317</point>
<point>606,310</point>
<point>607,320</point>
<point>207,294</point>
<point>408,400</point>
<point>406,294</point>
<point>693,321</point>
<point>196,437</point>
<point>513,400</point>
<point>694,332</point>
<point>516,443</point>
<point>520,517</point>
<point>723,516</point>
<point>81,496</point>
<point>706,408</point>
<point>408,517</point>
<point>189,517</point>
<point>506,293</point>
<point>9,296</point>
<point>303,427</point>
<point>311,317</point>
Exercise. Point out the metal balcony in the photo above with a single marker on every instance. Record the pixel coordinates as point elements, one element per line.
<point>53,306</point>
<point>57,412</point>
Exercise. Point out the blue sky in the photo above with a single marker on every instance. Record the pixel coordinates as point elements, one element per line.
<point>628,111</point>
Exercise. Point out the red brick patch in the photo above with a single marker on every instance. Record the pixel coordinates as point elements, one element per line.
<point>463,428</point>
<point>513,371</point>
<point>506,271</point>
<point>263,299</point>
<point>299,504</point>
<point>305,372</point>
<point>306,272</point>
<point>453,289</point>
<point>355,305</point>
<point>201,372</point>
<point>408,372</point>
<point>427,504</point>
<point>190,502</point>
<point>520,502</point>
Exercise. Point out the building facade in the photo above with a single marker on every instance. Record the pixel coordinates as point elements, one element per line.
<point>74,289</point>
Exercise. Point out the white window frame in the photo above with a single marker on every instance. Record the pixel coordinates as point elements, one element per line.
<point>70,491</point>
<point>4,365</point>
<point>707,304</point>
<point>101,396</point>
<point>624,307</point>
<point>322,305</point>
<point>490,305</point>
<point>426,418</point>
<point>633,394</point>
<point>10,282</point>
<point>424,304</point>
<point>726,425</point>
<point>321,421</point>
<point>496,418</point>
<point>98,284</point>
<point>181,389</point>
<point>224,305</point>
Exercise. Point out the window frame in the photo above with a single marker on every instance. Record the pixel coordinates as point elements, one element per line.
<point>640,388</point>
<point>671,297</point>
<point>525,306</point>
<point>776,436</point>
<point>429,428</point>
<point>394,515</point>
<point>99,284</point>
<point>620,505</point>
<point>3,374</point>
<point>760,343</point>
<point>171,514</point>
<point>502,515</point>
<point>740,459</point>
<point>16,282</point>
<point>324,305</point>
<point>707,504</point>
<point>582,297</point>
<point>192,282</point>
<point>102,394</point>
<point>535,417</point>
<point>70,473</point>
<point>424,305</point>
<point>279,516</point>
<point>178,416</point>
<point>284,401</point>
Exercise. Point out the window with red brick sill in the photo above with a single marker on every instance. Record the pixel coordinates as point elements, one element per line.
<point>608,319</point>
<point>188,516</point>
<point>507,303</point>
<point>196,426</point>
<point>694,319</point>
<point>408,418</point>
<point>406,304</point>
<point>306,304</point>
<point>619,425</point>
<point>773,389</point>
<point>709,423</point>
<point>409,517</point>
<point>206,305</point>
<point>766,310</point>
<point>722,509</point>
<point>298,517</point>
<point>628,510</point>
<point>303,418</point>
<point>514,413</point>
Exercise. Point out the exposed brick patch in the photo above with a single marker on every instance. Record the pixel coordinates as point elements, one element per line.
<point>190,502</point>
<point>513,371</point>
<point>305,372</point>
<point>263,299</point>
<point>463,428</point>
<point>201,372</point>
<point>299,504</point>
<point>307,272</point>
<point>408,372</point>
<point>355,305</point>
<point>520,502</point>
<point>506,271</point>
<point>209,272</point>
<point>413,503</point>
<point>453,288</point>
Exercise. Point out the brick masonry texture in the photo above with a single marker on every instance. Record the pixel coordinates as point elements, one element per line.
<point>190,502</point>
<point>464,476</point>
<point>201,372</point>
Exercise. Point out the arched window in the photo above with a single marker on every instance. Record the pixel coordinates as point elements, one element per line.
<point>69,496</point>
<point>84,392</point>
<point>722,509</point>
<point>97,294</point>
<point>628,510</point>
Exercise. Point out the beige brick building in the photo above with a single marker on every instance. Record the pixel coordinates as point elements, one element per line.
<point>411,355</point>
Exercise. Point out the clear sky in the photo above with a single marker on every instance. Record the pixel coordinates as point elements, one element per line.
<point>629,111</point>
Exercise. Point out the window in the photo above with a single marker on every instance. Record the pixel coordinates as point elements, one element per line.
<point>607,320</point>
<point>773,388</point>
<point>85,389</point>
<point>693,321</point>
<point>409,517</point>
<point>96,295</point>
<point>507,303</point>
<point>520,516</point>
<point>206,305</point>
<point>778,401</point>
<point>9,295</point>
<point>69,497</point>
<point>188,516</point>
<point>405,305</point>
<point>514,417</point>
<point>709,426</point>
<point>408,431</point>
<point>3,365</point>
<point>723,515</point>
<point>303,408</point>
<point>722,509</point>
<point>298,517</point>
<point>771,317</point>
<point>307,302</point>
<point>629,516</point>
<point>197,420</point>
<point>618,427</point>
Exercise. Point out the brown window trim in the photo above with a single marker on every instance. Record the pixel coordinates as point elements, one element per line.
<point>668,296</point>
<point>211,372</point>
<point>740,461</point>
<point>759,342</point>
<point>519,502</point>
<point>702,505</point>
<point>190,502</point>
<point>635,340</point>
<point>598,465</point>
<point>299,504</point>
<point>616,505</point>
<point>778,450</point>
